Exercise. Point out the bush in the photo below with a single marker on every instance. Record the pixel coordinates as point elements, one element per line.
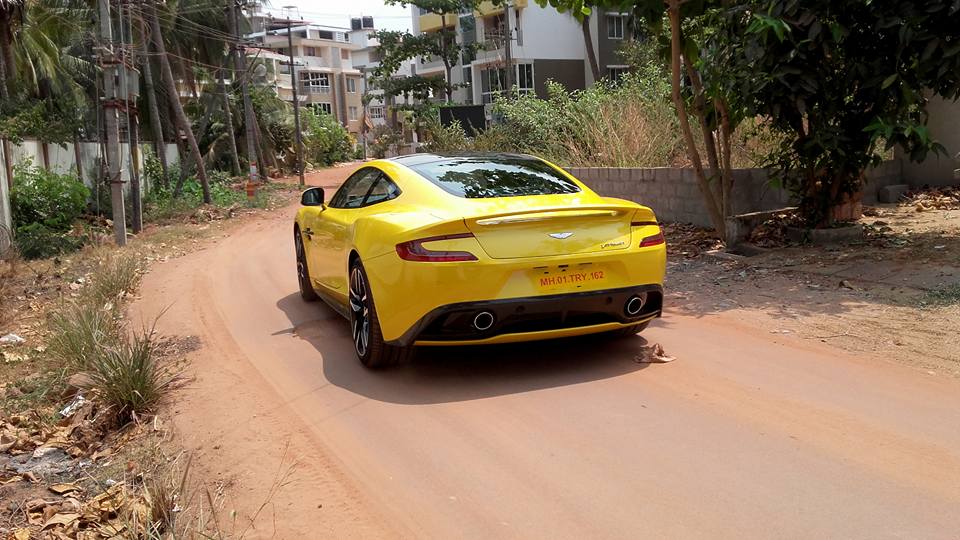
<point>38,241</point>
<point>325,141</point>
<point>444,139</point>
<point>48,198</point>
<point>385,140</point>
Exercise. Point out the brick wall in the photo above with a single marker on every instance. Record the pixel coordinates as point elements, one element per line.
<point>674,195</point>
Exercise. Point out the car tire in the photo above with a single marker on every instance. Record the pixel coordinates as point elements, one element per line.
<point>365,331</point>
<point>307,291</point>
<point>630,331</point>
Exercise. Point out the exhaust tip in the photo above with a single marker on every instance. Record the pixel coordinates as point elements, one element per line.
<point>483,320</point>
<point>635,304</point>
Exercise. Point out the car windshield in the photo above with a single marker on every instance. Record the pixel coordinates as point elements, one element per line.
<point>480,178</point>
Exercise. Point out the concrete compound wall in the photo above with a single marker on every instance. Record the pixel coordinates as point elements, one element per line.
<point>63,159</point>
<point>674,195</point>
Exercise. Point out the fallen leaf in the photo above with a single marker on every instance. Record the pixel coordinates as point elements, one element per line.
<point>846,284</point>
<point>653,355</point>
<point>64,520</point>
<point>63,489</point>
<point>20,534</point>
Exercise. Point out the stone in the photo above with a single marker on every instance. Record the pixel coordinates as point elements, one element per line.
<point>892,193</point>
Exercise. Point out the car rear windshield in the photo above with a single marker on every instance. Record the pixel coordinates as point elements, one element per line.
<point>480,178</point>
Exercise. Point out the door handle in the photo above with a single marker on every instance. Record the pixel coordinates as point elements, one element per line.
<point>308,233</point>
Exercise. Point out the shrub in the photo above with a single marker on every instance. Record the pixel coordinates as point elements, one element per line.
<point>38,241</point>
<point>325,140</point>
<point>385,140</point>
<point>442,138</point>
<point>48,198</point>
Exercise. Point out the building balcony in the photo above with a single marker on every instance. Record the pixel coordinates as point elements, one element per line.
<point>308,89</point>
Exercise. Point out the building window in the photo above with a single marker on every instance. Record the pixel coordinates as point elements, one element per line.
<point>311,51</point>
<point>615,24</point>
<point>324,34</point>
<point>321,108</point>
<point>376,111</point>
<point>352,112</point>
<point>492,82</point>
<point>525,78</point>
<point>315,83</point>
<point>615,73</point>
<point>344,54</point>
<point>282,50</point>
<point>351,85</point>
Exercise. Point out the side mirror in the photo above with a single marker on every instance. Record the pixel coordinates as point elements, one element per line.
<point>312,197</point>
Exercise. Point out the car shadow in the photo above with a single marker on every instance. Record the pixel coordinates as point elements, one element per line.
<point>453,374</point>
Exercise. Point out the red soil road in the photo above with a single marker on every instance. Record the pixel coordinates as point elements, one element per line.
<point>746,435</point>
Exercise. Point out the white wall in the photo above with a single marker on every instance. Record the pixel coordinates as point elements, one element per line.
<point>63,159</point>
<point>944,125</point>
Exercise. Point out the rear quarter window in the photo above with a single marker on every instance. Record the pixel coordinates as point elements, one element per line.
<point>481,178</point>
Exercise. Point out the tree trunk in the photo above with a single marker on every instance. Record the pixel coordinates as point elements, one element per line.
<point>4,46</point>
<point>182,119</point>
<point>158,142</point>
<point>700,110</point>
<point>45,154</point>
<point>591,53</point>
<point>725,132</point>
<point>716,217</point>
<point>136,195</point>
<point>77,155</point>
<point>232,138</point>
<point>7,67</point>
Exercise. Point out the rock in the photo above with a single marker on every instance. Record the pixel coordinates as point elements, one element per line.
<point>893,193</point>
<point>11,339</point>
<point>78,382</point>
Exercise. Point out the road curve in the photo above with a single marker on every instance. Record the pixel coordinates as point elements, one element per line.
<point>745,435</point>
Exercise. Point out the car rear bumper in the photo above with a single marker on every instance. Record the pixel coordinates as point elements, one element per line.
<point>537,317</point>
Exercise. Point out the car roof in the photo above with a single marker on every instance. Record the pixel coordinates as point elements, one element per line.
<point>413,160</point>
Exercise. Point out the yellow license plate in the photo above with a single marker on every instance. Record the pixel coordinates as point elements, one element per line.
<point>568,277</point>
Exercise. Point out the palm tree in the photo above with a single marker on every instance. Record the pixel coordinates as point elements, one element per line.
<point>10,11</point>
<point>183,123</point>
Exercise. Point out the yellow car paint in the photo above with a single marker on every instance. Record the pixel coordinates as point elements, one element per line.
<point>509,243</point>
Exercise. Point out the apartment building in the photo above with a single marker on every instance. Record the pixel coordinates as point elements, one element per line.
<point>327,81</point>
<point>546,45</point>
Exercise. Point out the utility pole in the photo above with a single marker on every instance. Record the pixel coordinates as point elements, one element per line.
<point>111,104</point>
<point>507,52</point>
<point>240,71</point>
<point>130,89</point>
<point>296,105</point>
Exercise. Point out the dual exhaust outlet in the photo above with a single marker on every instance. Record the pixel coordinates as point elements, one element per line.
<point>485,320</point>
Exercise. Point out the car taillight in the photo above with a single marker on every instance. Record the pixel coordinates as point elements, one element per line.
<point>414,250</point>
<point>653,240</point>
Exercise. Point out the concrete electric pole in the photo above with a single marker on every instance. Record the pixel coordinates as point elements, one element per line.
<point>296,105</point>
<point>111,104</point>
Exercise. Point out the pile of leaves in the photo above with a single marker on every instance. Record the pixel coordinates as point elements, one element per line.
<point>944,198</point>
<point>117,512</point>
<point>690,241</point>
<point>772,233</point>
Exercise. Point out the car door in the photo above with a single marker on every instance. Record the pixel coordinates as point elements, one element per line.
<point>330,241</point>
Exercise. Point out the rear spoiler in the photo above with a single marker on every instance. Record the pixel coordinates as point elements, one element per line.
<point>557,212</point>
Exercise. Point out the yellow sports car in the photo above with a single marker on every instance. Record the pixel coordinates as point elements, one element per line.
<point>476,249</point>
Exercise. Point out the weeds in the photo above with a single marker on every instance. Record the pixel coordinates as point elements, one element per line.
<point>80,330</point>
<point>944,296</point>
<point>114,280</point>
<point>127,377</point>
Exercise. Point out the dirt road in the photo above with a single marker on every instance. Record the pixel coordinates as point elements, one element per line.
<point>747,435</point>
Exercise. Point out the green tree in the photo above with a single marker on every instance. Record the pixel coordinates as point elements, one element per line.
<point>398,48</point>
<point>708,102</point>
<point>837,80</point>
